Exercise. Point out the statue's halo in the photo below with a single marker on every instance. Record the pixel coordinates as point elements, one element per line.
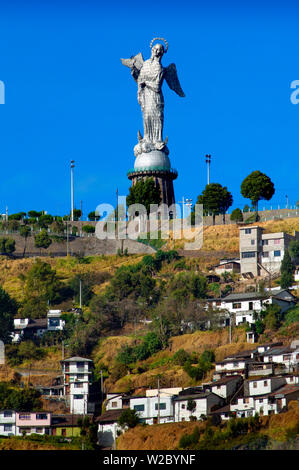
<point>159,39</point>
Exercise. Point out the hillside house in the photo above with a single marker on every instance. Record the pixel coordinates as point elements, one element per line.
<point>7,423</point>
<point>205,403</point>
<point>77,378</point>
<point>108,427</point>
<point>261,253</point>
<point>66,425</point>
<point>154,409</point>
<point>33,422</point>
<point>27,328</point>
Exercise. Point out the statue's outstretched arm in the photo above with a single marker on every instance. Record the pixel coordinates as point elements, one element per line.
<point>172,80</point>
<point>134,63</point>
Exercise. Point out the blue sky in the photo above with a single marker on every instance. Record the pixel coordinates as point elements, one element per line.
<point>67,96</point>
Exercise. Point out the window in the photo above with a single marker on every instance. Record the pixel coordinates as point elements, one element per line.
<point>237,305</point>
<point>39,430</point>
<point>80,364</point>
<point>246,400</point>
<point>63,432</point>
<point>265,254</point>
<point>54,322</point>
<point>7,427</point>
<point>7,414</point>
<point>277,241</point>
<point>78,385</point>
<point>80,376</point>
<point>162,406</point>
<point>24,416</point>
<point>252,242</point>
<point>265,383</point>
<point>236,364</point>
<point>277,253</point>
<point>78,397</point>
<point>41,416</point>
<point>265,242</point>
<point>114,404</point>
<point>183,407</point>
<point>139,407</point>
<point>248,254</point>
<point>254,384</point>
<point>23,320</point>
<point>247,230</point>
<point>250,305</point>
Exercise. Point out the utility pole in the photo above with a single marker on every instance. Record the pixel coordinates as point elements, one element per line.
<point>208,161</point>
<point>72,190</point>
<point>158,400</point>
<point>67,240</point>
<point>63,350</point>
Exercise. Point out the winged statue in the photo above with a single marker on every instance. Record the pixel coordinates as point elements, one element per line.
<point>149,76</point>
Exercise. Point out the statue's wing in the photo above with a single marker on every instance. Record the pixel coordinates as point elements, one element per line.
<point>134,63</point>
<point>172,80</point>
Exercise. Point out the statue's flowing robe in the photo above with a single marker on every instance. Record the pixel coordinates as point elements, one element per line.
<point>151,100</point>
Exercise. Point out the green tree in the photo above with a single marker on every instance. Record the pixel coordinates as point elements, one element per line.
<point>216,199</point>
<point>246,208</point>
<point>94,216</point>
<point>88,229</point>
<point>294,249</point>
<point>191,406</point>
<point>25,232</point>
<point>286,271</point>
<point>129,418</point>
<point>8,308</point>
<point>7,246</point>
<point>257,186</point>
<point>45,220</point>
<point>42,239</point>
<point>145,193</point>
<point>77,214</point>
<point>236,215</point>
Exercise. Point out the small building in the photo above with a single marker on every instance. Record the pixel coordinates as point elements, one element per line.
<point>227,386</point>
<point>108,427</point>
<point>54,321</point>
<point>77,379</point>
<point>33,422</point>
<point>66,425</point>
<point>205,402</point>
<point>253,387</point>
<point>228,266</point>
<point>153,409</point>
<point>7,423</point>
<point>261,253</point>
<point>26,328</point>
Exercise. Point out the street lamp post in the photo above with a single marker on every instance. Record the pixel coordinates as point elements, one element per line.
<point>208,161</point>
<point>72,189</point>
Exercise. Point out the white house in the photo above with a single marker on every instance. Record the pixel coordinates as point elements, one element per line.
<point>245,305</point>
<point>7,423</point>
<point>226,386</point>
<point>54,321</point>
<point>108,427</point>
<point>205,402</point>
<point>77,374</point>
<point>243,407</point>
<point>263,386</point>
<point>281,355</point>
<point>153,409</point>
